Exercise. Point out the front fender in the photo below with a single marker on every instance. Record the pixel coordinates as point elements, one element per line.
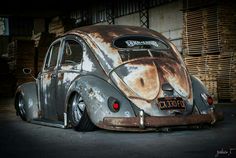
<point>199,89</point>
<point>29,94</point>
<point>95,93</point>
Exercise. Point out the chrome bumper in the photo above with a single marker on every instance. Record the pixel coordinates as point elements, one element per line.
<point>142,122</point>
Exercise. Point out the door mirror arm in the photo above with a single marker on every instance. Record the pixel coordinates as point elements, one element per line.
<point>28,71</point>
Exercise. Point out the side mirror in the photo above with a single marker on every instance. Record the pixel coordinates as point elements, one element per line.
<point>27,71</point>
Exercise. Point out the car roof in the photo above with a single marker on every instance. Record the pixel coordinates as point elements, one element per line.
<point>103,37</point>
<point>109,32</point>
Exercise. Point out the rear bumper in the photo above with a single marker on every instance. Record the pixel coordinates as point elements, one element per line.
<point>143,123</point>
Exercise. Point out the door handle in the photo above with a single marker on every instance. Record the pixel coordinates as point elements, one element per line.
<point>53,75</point>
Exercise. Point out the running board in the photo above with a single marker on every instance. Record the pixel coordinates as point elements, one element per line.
<point>51,123</point>
<point>58,124</point>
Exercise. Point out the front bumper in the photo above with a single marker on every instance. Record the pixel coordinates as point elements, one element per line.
<point>143,123</point>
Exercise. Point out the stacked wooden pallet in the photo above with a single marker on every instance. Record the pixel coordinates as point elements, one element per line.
<point>42,43</point>
<point>59,25</point>
<point>211,31</point>
<point>227,30</point>
<point>217,72</point>
<point>11,51</point>
<point>193,34</point>
<point>56,26</point>
<point>7,80</point>
<point>23,55</point>
<point>209,41</point>
<point>200,35</point>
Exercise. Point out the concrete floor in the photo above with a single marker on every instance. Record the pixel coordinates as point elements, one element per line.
<point>22,139</point>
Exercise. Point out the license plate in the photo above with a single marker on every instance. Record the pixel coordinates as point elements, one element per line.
<point>171,103</point>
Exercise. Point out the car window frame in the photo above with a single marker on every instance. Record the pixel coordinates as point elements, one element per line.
<point>77,39</point>
<point>45,69</point>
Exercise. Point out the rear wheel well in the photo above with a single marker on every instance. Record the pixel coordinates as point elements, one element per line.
<point>84,124</point>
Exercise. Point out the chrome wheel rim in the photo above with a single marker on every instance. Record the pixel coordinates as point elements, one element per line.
<point>78,108</point>
<point>21,106</point>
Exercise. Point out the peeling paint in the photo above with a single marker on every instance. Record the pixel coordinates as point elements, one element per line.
<point>95,93</point>
<point>88,65</point>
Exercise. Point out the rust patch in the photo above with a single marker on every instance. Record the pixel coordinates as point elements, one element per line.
<point>48,76</point>
<point>149,77</point>
<point>60,76</point>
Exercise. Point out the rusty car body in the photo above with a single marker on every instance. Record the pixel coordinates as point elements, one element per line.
<point>117,78</point>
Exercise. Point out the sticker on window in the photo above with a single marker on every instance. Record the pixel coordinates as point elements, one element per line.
<point>131,43</point>
<point>139,42</point>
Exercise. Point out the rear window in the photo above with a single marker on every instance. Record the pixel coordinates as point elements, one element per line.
<point>139,42</point>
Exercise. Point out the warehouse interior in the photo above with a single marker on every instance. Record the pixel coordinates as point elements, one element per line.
<point>203,31</point>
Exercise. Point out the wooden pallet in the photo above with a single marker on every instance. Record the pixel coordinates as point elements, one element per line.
<point>216,71</point>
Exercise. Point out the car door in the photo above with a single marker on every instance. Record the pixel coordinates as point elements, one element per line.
<point>69,68</point>
<point>48,81</point>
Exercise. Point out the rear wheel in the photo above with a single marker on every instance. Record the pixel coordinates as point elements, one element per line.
<point>20,107</point>
<point>77,114</point>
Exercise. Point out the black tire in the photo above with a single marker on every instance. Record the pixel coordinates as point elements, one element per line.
<point>77,114</point>
<point>20,106</point>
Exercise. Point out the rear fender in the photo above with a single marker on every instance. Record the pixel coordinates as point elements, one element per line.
<point>95,93</point>
<point>29,94</point>
<point>199,89</point>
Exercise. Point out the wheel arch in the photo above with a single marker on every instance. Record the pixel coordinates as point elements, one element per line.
<point>28,91</point>
<point>95,93</point>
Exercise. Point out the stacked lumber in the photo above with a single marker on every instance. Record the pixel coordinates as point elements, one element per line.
<point>23,56</point>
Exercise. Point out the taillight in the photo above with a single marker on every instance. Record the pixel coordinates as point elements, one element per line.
<point>209,100</point>
<point>113,104</point>
<point>116,106</point>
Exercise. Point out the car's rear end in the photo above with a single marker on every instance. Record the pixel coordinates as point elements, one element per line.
<point>150,73</point>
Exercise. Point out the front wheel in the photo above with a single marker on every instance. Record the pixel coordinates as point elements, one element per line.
<point>77,114</point>
<point>20,107</point>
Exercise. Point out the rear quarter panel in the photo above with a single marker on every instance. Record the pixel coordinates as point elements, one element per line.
<point>198,89</point>
<point>95,93</point>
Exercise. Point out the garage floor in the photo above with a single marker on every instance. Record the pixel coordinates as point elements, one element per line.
<point>22,139</point>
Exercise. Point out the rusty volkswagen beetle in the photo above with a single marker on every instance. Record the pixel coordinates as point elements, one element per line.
<point>117,78</point>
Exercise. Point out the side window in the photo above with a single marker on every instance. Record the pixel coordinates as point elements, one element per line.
<point>72,53</point>
<point>51,60</point>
